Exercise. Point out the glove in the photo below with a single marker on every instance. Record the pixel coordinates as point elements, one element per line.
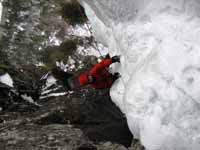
<point>116,76</point>
<point>116,59</point>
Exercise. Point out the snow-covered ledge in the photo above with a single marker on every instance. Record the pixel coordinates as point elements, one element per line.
<point>159,44</point>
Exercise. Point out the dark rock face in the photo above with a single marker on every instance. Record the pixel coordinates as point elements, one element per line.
<point>95,114</point>
<point>85,119</point>
<point>82,120</point>
<point>65,122</point>
<point>30,136</point>
<point>99,118</point>
<point>28,27</point>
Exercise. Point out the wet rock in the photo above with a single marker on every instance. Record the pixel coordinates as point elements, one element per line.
<point>66,122</point>
<point>62,52</point>
<point>55,117</point>
<point>87,147</point>
<point>73,12</point>
<point>29,27</point>
<point>26,90</point>
<point>98,117</point>
<point>110,146</point>
<point>30,136</point>
<point>136,145</point>
<point>2,72</point>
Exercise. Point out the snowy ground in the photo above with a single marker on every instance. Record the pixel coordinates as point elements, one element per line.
<point>159,44</point>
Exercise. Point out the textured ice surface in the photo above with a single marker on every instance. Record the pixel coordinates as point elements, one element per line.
<point>159,44</point>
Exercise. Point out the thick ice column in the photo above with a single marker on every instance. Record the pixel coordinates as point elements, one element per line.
<point>159,91</point>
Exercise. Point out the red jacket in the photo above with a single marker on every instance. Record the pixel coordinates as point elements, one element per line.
<point>103,79</point>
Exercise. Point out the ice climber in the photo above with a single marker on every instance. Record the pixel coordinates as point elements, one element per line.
<point>99,77</point>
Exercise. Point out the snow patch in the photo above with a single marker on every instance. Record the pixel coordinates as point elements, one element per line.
<point>53,40</point>
<point>53,95</point>
<point>40,64</point>
<point>95,50</point>
<point>66,67</point>
<point>29,99</point>
<point>79,30</point>
<point>6,79</point>
<point>50,90</point>
<point>50,80</point>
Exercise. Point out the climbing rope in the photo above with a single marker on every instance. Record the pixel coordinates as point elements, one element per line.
<point>95,42</point>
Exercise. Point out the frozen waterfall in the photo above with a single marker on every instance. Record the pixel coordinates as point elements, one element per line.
<point>159,44</point>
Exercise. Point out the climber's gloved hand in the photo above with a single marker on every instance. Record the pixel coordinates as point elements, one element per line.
<point>116,59</point>
<point>116,76</point>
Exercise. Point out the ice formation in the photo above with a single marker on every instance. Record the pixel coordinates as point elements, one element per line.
<point>159,44</point>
